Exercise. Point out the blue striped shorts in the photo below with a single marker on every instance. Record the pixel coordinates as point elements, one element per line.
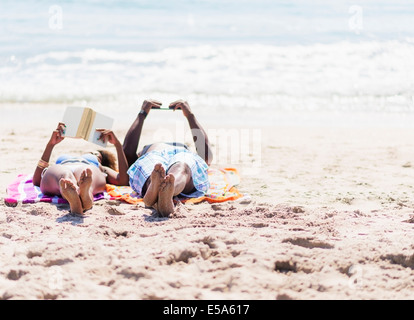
<point>141,170</point>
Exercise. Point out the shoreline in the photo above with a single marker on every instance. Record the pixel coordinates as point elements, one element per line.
<point>49,113</point>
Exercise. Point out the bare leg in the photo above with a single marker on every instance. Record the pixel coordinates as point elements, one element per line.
<point>178,180</point>
<point>91,181</point>
<point>183,182</point>
<point>59,180</point>
<point>165,204</point>
<point>98,183</point>
<point>69,192</point>
<point>85,190</point>
<point>157,177</point>
<point>50,181</point>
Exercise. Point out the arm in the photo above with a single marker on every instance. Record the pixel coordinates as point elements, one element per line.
<point>133,135</point>
<point>121,177</point>
<point>200,137</point>
<point>57,137</point>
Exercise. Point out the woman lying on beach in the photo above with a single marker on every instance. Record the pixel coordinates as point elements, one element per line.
<point>78,179</point>
<point>161,170</point>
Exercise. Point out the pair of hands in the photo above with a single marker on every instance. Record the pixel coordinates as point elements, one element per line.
<point>179,104</point>
<point>108,135</point>
<point>58,135</point>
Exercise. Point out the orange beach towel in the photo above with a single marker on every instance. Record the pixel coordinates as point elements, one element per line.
<point>223,184</point>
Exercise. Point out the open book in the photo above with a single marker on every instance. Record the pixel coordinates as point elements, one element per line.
<point>82,123</point>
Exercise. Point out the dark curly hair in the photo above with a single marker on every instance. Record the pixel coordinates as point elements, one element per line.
<point>108,159</point>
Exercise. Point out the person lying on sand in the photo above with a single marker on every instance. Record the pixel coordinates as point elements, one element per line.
<point>78,179</point>
<point>162,170</point>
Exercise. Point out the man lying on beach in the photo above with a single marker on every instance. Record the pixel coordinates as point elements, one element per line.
<point>78,179</point>
<point>162,170</point>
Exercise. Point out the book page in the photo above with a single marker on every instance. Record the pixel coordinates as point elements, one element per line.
<point>78,124</point>
<point>72,119</point>
<point>101,121</point>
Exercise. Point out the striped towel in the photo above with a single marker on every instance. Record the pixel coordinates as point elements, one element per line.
<point>22,190</point>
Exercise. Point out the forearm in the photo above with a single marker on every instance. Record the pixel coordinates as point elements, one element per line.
<point>200,139</point>
<point>123,178</point>
<point>132,138</point>
<point>37,176</point>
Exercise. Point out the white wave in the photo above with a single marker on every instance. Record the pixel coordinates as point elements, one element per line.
<point>367,76</point>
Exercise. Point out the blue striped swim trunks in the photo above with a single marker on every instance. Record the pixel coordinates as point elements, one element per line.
<point>141,170</point>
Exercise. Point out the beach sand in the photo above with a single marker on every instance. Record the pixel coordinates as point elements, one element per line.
<point>330,216</point>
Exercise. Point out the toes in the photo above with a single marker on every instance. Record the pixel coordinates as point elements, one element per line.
<point>162,186</point>
<point>67,187</point>
<point>169,179</point>
<point>158,167</point>
<point>161,171</point>
<point>71,186</point>
<point>66,184</point>
<point>158,172</point>
<point>86,173</point>
<point>62,184</point>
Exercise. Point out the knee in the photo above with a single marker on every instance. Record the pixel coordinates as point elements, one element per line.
<point>180,168</point>
<point>49,184</point>
<point>50,180</point>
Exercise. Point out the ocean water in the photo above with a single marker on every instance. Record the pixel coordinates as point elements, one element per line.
<point>256,59</point>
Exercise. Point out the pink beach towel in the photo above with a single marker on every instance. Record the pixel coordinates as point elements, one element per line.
<point>22,190</point>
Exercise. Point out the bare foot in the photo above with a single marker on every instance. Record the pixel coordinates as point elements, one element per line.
<point>165,196</point>
<point>85,190</point>
<point>69,192</point>
<point>157,177</point>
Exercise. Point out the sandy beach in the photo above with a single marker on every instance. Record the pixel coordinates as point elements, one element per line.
<point>330,215</point>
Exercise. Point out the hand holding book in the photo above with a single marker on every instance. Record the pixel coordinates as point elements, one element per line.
<point>58,135</point>
<point>83,122</point>
<point>107,135</point>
